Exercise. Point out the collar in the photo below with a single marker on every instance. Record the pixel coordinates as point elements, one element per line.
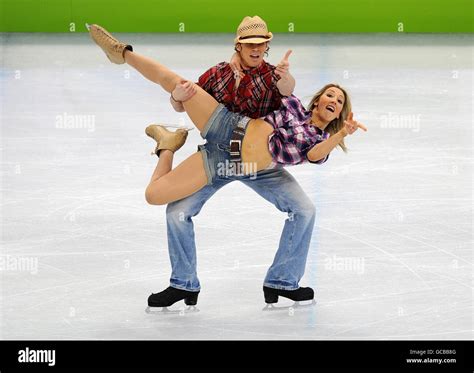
<point>318,130</point>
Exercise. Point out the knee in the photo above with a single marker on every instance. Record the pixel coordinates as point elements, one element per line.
<point>152,196</point>
<point>311,208</point>
<point>306,211</point>
<point>180,210</point>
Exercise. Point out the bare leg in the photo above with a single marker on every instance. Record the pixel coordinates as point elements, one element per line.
<point>168,185</point>
<point>199,108</point>
<point>153,70</point>
<point>165,164</point>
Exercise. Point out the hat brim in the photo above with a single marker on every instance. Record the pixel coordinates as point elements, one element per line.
<point>256,40</point>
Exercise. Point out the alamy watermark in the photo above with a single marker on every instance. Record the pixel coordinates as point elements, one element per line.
<point>398,121</point>
<point>20,263</point>
<point>68,121</point>
<point>37,356</point>
<point>237,169</point>
<point>348,264</point>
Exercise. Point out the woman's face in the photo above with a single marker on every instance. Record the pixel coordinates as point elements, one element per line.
<point>330,104</point>
<point>252,54</point>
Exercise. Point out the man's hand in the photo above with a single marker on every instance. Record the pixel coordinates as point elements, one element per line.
<point>283,67</point>
<point>183,91</point>
<point>351,125</point>
<point>286,84</point>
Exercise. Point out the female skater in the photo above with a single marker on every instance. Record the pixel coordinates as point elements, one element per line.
<point>288,136</point>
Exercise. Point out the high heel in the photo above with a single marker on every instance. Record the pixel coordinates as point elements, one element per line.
<point>192,299</point>
<point>270,297</point>
<point>166,140</point>
<point>301,294</point>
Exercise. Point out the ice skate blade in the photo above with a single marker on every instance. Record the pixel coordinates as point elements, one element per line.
<point>177,126</point>
<point>296,305</point>
<point>167,311</point>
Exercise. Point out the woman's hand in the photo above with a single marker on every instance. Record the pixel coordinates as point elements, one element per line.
<point>236,66</point>
<point>183,91</point>
<point>351,125</point>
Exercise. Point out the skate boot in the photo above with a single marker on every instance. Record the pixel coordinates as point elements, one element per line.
<point>171,295</point>
<point>166,139</point>
<point>112,47</point>
<point>300,294</point>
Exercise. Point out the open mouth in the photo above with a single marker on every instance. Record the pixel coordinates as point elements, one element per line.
<point>331,108</point>
<point>255,56</point>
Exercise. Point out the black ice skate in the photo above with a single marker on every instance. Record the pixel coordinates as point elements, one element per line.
<point>170,296</point>
<point>298,295</point>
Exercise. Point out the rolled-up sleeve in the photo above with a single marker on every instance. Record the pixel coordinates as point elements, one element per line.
<point>321,161</point>
<point>319,139</point>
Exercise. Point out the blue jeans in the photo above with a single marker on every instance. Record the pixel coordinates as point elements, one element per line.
<point>277,186</point>
<point>215,153</point>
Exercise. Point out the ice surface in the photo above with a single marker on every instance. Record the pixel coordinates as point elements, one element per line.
<point>391,256</point>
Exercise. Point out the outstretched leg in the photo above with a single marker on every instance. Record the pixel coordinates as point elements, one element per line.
<point>152,70</point>
<point>199,108</point>
<point>167,185</point>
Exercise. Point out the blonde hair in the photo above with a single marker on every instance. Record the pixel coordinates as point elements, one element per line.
<point>336,124</point>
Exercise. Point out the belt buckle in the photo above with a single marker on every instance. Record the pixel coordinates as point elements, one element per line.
<point>239,143</point>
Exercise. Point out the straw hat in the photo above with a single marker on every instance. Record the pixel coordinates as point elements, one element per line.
<point>253,30</point>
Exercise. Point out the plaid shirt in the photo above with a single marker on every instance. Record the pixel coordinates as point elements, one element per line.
<point>293,135</point>
<point>256,95</point>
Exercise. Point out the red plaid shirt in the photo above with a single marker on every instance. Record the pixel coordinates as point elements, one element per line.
<point>256,95</point>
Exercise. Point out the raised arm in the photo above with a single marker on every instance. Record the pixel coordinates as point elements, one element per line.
<point>321,150</point>
<point>286,84</point>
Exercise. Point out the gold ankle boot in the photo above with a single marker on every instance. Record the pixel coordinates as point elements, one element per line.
<point>111,46</point>
<point>166,139</point>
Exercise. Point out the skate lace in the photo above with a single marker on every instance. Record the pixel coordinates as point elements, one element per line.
<point>115,46</point>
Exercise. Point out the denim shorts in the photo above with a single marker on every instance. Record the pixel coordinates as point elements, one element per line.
<point>218,133</point>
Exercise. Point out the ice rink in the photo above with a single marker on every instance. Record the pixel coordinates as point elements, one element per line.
<point>391,254</point>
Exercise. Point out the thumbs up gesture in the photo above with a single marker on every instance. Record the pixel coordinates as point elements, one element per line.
<point>283,67</point>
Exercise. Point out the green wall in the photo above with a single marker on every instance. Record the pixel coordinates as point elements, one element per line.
<point>224,16</point>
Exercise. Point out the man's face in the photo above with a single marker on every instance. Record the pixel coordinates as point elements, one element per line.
<point>252,54</point>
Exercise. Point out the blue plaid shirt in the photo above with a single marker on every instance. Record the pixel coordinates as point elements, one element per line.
<point>293,135</point>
